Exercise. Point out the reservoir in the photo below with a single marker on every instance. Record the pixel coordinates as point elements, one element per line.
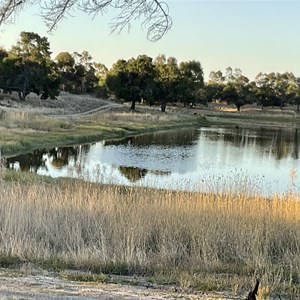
<point>257,160</point>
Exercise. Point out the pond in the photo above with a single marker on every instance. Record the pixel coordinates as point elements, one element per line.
<point>206,159</point>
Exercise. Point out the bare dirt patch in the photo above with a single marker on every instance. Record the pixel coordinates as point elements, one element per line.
<point>65,104</point>
<point>17,286</point>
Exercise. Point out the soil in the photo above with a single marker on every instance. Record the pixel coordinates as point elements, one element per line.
<point>65,104</point>
<point>16,285</point>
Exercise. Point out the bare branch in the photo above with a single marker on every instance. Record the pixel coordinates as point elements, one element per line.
<point>8,9</point>
<point>154,13</point>
<point>54,11</point>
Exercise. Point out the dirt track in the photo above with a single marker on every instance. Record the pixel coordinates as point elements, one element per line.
<point>49,286</point>
<point>65,105</point>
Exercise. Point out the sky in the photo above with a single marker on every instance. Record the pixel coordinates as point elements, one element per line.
<point>254,36</point>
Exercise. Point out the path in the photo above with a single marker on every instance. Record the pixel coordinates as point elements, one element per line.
<point>44,287</point>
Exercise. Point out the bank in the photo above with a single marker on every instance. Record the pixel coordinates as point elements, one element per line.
<point>27,136</point>
<point>22,132</point>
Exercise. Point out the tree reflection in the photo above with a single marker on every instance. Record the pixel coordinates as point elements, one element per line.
<point>29,162</point>
<point>281,143</point>
<point>32,162</point>
<point>295,152</point>
<point>133,174</point>
<point>60,157</point>
<point>169,138</point>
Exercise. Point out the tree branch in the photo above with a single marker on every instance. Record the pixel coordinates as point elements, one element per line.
<point>155,14</point>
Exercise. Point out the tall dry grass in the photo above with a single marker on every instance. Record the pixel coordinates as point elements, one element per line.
<point>144,230</point>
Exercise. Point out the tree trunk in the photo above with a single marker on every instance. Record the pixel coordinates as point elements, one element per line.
<point>163,106</point>
<point>132,107</point>
<point>22,95</point>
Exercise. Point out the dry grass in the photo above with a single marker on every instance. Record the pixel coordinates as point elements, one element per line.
<point>136,230</point>
<point>25,120</point>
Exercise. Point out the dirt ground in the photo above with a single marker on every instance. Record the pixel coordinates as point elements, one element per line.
<point>65,104</point>
<point>44,285</point>
<point>74,105</point>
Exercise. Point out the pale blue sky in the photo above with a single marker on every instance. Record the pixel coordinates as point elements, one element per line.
<point>251,35</point>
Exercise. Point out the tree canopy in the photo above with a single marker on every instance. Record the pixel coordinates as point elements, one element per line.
<point>154,14</point>
<point>28,67</point>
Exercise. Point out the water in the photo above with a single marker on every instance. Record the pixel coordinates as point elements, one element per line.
<point>207,159</point>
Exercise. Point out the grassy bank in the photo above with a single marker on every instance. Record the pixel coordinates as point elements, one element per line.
<point>20,132</point>
<point>201,241</point>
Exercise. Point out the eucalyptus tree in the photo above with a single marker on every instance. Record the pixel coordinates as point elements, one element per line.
<point>214,86</point>
<point>133,80</point>
<point>293,91</point>
<point>65,61</point>
<point>77,71</point>
<point>100,72</point>
<point>66,66</point>
<point>168,80</point>
<point>28,68</point>
<point>233,87</point>
<point>154,13</point>
<point>192,81</point>
<point>275,89</point>
<point>3,53</point>
<point>216,77</point>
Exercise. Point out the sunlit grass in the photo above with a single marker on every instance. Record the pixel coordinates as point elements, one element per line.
<point>25,131</point>
<point>184,236</point>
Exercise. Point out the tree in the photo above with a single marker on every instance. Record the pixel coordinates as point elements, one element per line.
<point>168,80</point>
<point>233,87</point>
<point>29,68</point>
<point>293,92</point>
<point>230,95</point>
<point>3,54</point>
<point>66,66</point>
<point>274,89</point>
<point>77,72</point>
<point>132,80</point>
<point>155,13</point>
<point>216,77</point>
<point>192,81</point>
<point>100,72</point>
<point>65,61</point>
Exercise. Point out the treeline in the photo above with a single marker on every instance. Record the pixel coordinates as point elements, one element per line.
<point>28,67</point>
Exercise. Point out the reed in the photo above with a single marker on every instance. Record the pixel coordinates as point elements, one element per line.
<point>127,230</point>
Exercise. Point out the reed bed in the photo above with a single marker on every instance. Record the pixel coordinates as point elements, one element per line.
<point>130,230</point>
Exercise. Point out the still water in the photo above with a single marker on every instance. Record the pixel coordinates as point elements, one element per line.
<point>214,159</point>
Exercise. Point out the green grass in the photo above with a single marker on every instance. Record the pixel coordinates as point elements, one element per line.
<point>23,139</point>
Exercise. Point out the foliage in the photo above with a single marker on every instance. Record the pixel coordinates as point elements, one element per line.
<point>27,67</point>
<point>233,87</point>
<point>77,72</point>
<point>161,79</point>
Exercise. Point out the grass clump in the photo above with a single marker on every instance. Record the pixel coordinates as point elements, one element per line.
<point>9,261</point>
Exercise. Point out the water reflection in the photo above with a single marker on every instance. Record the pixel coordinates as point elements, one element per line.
<point>133,174</point>
<point>175,159</point>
